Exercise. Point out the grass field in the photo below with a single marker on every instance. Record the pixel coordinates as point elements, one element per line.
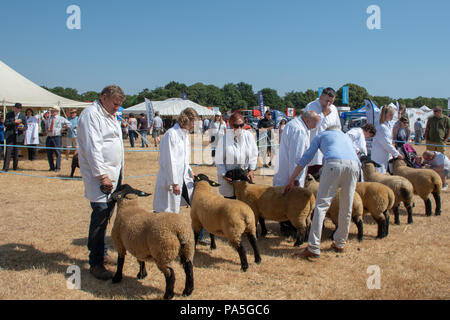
<point>44,227</point>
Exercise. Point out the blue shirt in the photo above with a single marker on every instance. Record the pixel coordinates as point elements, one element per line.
<point>334,144</point>
<point>72,131</point>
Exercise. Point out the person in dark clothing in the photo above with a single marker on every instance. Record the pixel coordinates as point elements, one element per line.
<point>143,129</point>
<point>16,125</point>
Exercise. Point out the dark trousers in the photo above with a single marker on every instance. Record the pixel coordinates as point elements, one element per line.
<point>133,136</point>
<point>32,152</point>
<point>101,214</point>
<point>11,152</point>
<point>1,150</point>
<point>54,142</point>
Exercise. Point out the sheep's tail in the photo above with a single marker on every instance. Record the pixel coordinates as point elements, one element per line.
<point>249,219</point>
<point>437,184</point>
<point>186,239</point>
<point>406,194</point>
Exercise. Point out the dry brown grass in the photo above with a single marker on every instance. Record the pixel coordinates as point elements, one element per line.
<point>44,226</point>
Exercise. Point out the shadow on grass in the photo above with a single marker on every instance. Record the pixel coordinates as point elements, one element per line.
<point>21,257</point>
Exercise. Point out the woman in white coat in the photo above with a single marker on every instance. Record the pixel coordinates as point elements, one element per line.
<point>217,130</point>
<point>236,149</point>
<point>32,134</point>
<point>175,182</point>
<point>382,148</point>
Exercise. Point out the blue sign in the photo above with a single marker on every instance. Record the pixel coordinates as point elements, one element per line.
<point>261,102</point>
<point>119,114</point>
<point>345,95</point>
<point>320,91</point>
<point>184,95</point>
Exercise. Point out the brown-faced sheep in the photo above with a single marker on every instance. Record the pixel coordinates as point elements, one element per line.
<point>270,203</point>
<point>152,236</point>
<point>223,217</point>
<point>424,181</point>
<point>403,189</point>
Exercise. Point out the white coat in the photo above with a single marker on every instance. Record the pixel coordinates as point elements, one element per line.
<point>100,150</point>
<point>294,142</point>
<point>382,148</point>
<point>331,119</point>
<point>241,152</point>
<point>358,139</point>
<point>217,130</point>
<point>174,159</point>
<point>32,133</point>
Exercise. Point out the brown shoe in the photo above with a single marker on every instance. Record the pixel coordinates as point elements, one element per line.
<point>336,249</point>
<point>100,272</point>
<point>306,254</point>
<point>109,260</point>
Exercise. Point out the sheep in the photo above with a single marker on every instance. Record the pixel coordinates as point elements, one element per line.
<point>333,212</point>
<point>424,181</point>
<point>403,189</point>
<point>75,163</point>
<point>270,203</point>
<point>223,217</point>
<point>377,199</point>
<point>147,235</point>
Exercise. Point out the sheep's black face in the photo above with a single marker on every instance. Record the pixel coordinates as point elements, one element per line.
<point>204,177</point>
<point>125,189</point>
<point>367,159</point>
<point>238,174</point>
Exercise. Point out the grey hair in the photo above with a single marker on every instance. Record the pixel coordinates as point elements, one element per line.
<point>310,115</point>
<point>113,90</point>
<point>334,128</point>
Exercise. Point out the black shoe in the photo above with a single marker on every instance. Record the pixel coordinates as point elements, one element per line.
<point>270,163</point>
<point>100,272</point>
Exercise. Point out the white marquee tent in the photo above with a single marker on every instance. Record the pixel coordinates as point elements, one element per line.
<point>170,107</point>
<point>16,88</point>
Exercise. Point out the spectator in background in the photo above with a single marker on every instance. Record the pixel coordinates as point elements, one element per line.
<point>218,129</point>
<point>281,128</point>
<point>132,128</point>
<point>72,132</point>
<point>157,129</point>
<point>418,131</point>
<point>329,116</point>
<point>143,129</point>
<point>205,124</point>
<point>16,126</point>
<point>32,134</point>
<point>437,131</point>
<point>54,126</point>
<point>2,136</point>
<point>265,127</point>
<point>439,163</point>
<point>402,134</point>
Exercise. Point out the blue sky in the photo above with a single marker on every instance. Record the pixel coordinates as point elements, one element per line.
<point>285,45</point>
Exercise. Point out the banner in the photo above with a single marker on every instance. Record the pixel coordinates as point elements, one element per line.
<point>150,113</point>
<point>184,96</point>
<point>290,112</point>
<point>261,103</point>
<point>345,95</point>
<point>320,91</point>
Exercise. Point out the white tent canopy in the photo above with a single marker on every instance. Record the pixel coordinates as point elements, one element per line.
<point>171,107</point>
<point>16,88</point>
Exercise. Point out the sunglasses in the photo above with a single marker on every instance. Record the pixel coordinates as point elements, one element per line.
<point>238,125</point>
<point>436,111</point>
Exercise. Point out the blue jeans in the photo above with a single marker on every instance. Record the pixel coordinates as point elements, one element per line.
<point>132,135</point>
<point>100,216</point>
<point>143,134</point>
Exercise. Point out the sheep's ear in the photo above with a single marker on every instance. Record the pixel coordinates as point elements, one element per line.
<point>375,164</point>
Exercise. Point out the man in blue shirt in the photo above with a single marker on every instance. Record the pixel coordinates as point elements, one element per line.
<point>341,170</point>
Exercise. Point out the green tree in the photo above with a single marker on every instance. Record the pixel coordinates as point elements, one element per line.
<point>231,96</point>
<point>90,96</point>
<point>247,94</point>
<point>175,89</point>
<point>357,94</point>
<point>272,99</point>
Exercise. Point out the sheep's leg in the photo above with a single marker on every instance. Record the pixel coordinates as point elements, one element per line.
<point>428,207</point>
<point>386,225</point>
<point>332,234</point>
<point>196,236</point>
<point>262,222</point>
<point>241,251</point>
<point>409,210</point>
<point>213,241</point>
<point>118,276</point>
<point>381,227</point>
<point>189,271</point>
<point>396,213</point>
<point>251,238</point>
<point>170,283</point>
<point>437,199</point>
<point>142,271</point>
<point>359,224</point>
<point>73,171</point>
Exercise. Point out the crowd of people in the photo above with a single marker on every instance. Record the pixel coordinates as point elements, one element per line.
<point>312,142</point>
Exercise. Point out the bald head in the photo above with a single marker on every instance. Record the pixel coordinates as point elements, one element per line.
<point>311,119</point>
<point>428,155</point>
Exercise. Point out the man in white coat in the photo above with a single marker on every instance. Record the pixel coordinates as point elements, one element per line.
<point>359,136</point>
<point>101,159</point>
<point>175,182</point>
<point>329,117</point>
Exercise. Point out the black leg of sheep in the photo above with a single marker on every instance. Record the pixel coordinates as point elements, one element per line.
<point>118,276</point>
<point>262,222</point>
<point>244,264</point>
<point>213,241</point>
<point>381,228</point>
<point>359,224</point>
<point>170,283</point>
<point>409,208</point>
<point>142,271</point>
<point>254,245</point>
<point>189,271</point>
<point>396,214</point>
<point>386,217</point>
<point>428,207</point>
<point>437,199</point>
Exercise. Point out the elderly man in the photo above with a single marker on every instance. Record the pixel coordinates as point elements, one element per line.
<point>439,163</point>
<point>54,126</point>
<point>437,131</point>
<point>101,157</point>
<point>15,127</point>
<point>341,170</point>
<point>329,116</point>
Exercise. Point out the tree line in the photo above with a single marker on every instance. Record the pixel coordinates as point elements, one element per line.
<point>242,96</point>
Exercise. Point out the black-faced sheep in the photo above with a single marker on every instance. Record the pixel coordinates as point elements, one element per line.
<point>269,203</point>
<point>403,189</point>
<point>152,236</point>
<point>223,217</point>
<point>424,181</point>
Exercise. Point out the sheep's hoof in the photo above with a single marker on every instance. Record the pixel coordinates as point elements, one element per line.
<point>142,275</point>
<point>117,279</point>
<point>298,243</point>
<point>187,292</point>
<point>168,296</point>
<point>438,213</point>
<point>258,260</point>
<point>244,268</point>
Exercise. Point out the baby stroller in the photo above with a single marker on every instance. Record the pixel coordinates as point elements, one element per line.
<point>410,155</point>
